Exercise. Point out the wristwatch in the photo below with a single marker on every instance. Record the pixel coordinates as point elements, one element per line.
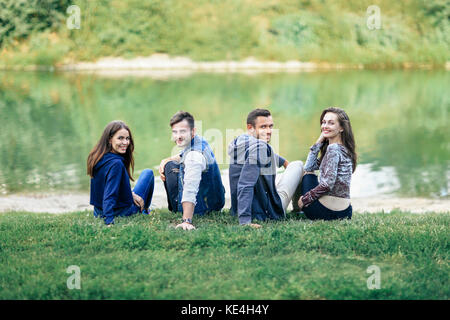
<point>187,221</point>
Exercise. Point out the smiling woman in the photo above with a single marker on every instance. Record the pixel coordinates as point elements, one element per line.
<point>120,141</point>
<point>109,165</point>
<point>329,198</point>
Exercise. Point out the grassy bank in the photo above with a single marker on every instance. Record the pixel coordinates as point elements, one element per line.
<point>144,257</point>
<point>414,31</point>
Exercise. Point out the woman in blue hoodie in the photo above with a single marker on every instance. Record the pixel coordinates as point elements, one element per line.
<point>109,165</point>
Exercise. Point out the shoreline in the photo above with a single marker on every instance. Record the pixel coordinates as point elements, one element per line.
<point>75,202</point>
<point>67,202</point>
<point>179,65</point>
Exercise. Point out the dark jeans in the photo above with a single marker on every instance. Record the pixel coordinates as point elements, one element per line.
<point>144,188</point>
<point>171,172</point>
<point>316,210</point>
<point>207,200</point>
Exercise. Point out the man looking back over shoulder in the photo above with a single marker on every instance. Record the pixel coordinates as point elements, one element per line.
<point>255,194</point>
<point>191,178</point>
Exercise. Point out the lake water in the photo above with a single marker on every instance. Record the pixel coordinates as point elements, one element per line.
<point>50,122</point>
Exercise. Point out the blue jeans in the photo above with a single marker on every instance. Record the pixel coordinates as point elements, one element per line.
<point>144,188</point>
<point>316,210</point>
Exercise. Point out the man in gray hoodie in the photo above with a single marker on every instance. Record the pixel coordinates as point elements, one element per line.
<point>255,193</point>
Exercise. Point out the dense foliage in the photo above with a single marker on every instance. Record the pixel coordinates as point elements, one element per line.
<point>414,31</point>
<point>20,18</point>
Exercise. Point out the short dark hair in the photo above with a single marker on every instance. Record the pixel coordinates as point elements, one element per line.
<point>251,118</point>
<point>180,116</point>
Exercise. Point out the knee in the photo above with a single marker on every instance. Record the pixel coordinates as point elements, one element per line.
<point>171,171</point>
<point>296,163</point>
<point>309,174</point>
<point>309,179</point>
<point>148,173</point>
<point>170,165</point>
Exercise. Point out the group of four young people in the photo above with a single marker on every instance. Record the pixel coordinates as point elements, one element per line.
<point>193,182</point>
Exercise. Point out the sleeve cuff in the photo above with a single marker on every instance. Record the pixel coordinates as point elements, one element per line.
<point>315,147</point>
<point>281,161</point>
<point>306,199</point>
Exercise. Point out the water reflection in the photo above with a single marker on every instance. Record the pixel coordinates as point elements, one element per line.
<point>50,122</point>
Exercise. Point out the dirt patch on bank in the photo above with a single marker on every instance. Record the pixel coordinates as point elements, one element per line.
<point>71,202</point>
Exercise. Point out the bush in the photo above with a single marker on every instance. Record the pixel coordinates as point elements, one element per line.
<point>20,18</point>
<point>205,30</point>
<point>296,29</point>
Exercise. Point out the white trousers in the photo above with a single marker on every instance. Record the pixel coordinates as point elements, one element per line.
<point>288,184</point>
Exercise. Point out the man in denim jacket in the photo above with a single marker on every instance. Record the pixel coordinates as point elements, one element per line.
<point>191,178</point>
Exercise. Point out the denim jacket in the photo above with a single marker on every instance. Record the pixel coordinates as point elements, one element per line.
<point>211,192</point>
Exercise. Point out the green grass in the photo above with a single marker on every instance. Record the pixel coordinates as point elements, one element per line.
<point>144,257</point>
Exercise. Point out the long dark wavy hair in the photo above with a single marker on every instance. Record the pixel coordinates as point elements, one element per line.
<point>103,146</point>
<point>347,135</point>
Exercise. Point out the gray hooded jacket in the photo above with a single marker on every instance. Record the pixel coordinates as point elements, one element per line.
<point>253,165</point>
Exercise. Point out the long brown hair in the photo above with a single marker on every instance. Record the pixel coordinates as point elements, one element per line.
<point>103,146</point>
<point>347,135</point>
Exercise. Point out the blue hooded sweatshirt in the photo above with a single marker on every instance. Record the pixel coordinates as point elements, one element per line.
<point>110,186</point>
